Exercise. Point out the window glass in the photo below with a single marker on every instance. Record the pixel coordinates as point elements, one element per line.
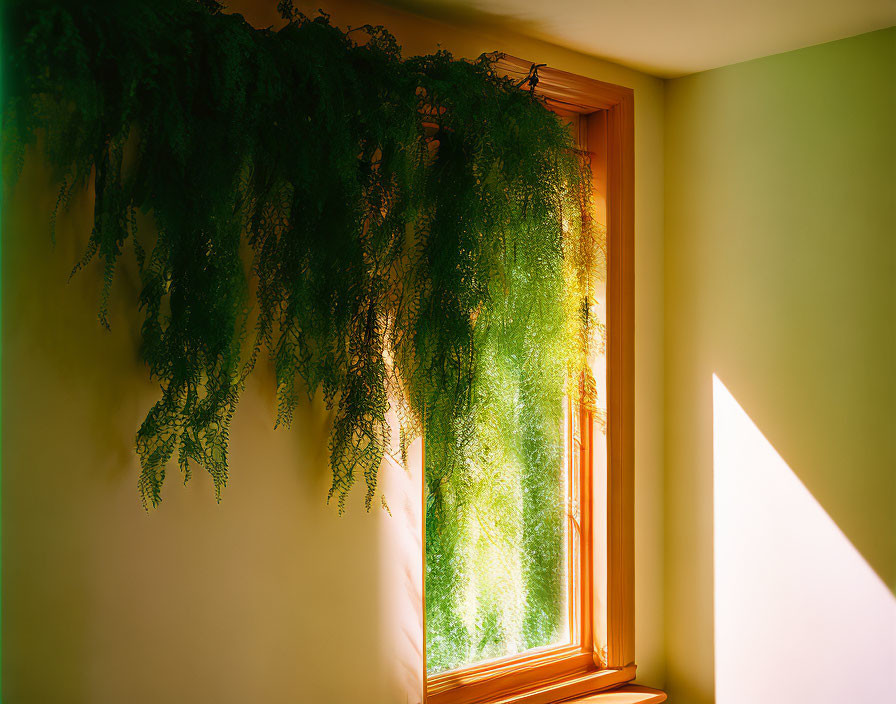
<point>502,535</point>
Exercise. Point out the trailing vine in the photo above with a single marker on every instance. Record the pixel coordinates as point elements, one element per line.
<point>386,231</point>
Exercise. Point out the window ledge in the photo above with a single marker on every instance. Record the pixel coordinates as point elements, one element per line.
<point>596,687</point>
<point>632,694</point>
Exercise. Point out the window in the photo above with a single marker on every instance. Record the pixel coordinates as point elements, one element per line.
<point>540,607</point>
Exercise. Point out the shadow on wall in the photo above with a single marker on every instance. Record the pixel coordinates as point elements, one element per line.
<point>800,616</point>
<point>264,597</point>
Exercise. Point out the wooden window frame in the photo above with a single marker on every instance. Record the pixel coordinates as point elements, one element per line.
<point>604,657</point>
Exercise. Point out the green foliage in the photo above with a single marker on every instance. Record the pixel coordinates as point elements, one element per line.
<point>385,230</point>
<point>397,231</point>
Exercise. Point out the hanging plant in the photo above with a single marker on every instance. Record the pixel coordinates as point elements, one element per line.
<point>382,229</point>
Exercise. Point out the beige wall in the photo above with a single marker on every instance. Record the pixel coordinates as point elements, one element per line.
<point>268,597</point>
<point>780,275</point>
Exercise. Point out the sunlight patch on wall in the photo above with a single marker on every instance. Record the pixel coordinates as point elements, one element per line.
<point>800,616</point>
<point>401,572</point>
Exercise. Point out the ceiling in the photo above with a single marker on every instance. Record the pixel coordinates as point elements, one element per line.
<point>672,37</point>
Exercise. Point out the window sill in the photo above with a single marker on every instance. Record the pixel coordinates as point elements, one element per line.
<point>631,694</point>
<point>608,686</point>
<point>627,694</point>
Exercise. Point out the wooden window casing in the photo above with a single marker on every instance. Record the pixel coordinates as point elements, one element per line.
<point>601,595</point>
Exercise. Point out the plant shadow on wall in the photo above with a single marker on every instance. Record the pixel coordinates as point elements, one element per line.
<point>379,227</point>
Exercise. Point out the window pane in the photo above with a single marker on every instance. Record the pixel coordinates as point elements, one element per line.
<point>496,566</point>
<point>502,534</point>
<point>496,576</point>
